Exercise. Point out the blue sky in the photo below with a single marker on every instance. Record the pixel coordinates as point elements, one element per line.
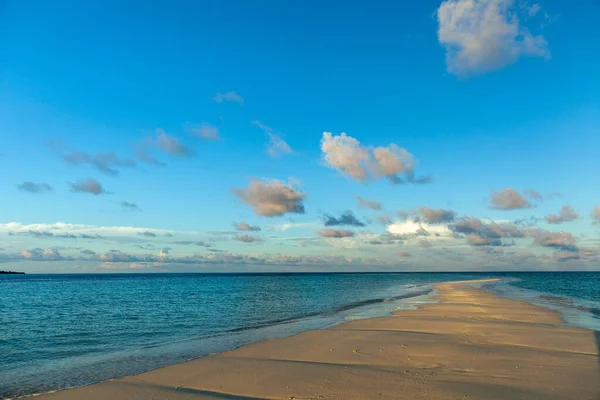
<point>493,95</point>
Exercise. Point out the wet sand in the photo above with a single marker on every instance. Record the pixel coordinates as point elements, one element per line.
<point>471,345</point>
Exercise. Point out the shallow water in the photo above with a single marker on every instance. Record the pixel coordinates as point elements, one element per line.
<point>576,295</point>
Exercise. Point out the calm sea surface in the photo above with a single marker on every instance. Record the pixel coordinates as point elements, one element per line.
<point>58,331</point>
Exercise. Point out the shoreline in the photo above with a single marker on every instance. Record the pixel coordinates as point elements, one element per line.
<point>365,306</point>
<point>470,344</point>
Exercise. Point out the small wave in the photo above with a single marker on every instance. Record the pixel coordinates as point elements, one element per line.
<point>595,311</point>
<point>567,302</point>
<point>592,310</point>
<point>557,299</point>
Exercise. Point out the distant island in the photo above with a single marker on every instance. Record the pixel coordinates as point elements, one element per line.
<point>11,272</point>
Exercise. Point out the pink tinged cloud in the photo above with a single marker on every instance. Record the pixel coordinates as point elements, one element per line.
<point>271,197</point>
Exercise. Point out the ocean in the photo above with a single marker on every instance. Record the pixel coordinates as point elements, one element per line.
<point>59,331</point>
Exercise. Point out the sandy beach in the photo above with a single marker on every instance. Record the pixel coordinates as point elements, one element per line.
<point>472,344</point>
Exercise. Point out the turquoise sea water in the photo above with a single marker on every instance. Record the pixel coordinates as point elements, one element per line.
<point>58,331</point>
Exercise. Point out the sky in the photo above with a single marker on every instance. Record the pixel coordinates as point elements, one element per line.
<point>225,136</point>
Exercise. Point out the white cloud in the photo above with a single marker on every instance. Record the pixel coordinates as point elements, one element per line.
<point>410,227</point>
<point>485,35</point>
<point>61,227</point>
<point>391,161</point>
<point>345,154</point>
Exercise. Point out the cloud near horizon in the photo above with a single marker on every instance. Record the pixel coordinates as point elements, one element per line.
<point>244,226</point>
<point>487,233</point>
<point>436,243</point>
<point>61,229</point>
<point>147,233</point>
<point>50,234</point>
<point>346,218</point>
<point>476,240</point>
<point>562,240</point>
<point>38,254</point>
<point>247,238</point>
<point>117,259</point>
<point>566,214</point>
<point>436,215</point>
<point>335,233</point>
<point>412,228</point>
